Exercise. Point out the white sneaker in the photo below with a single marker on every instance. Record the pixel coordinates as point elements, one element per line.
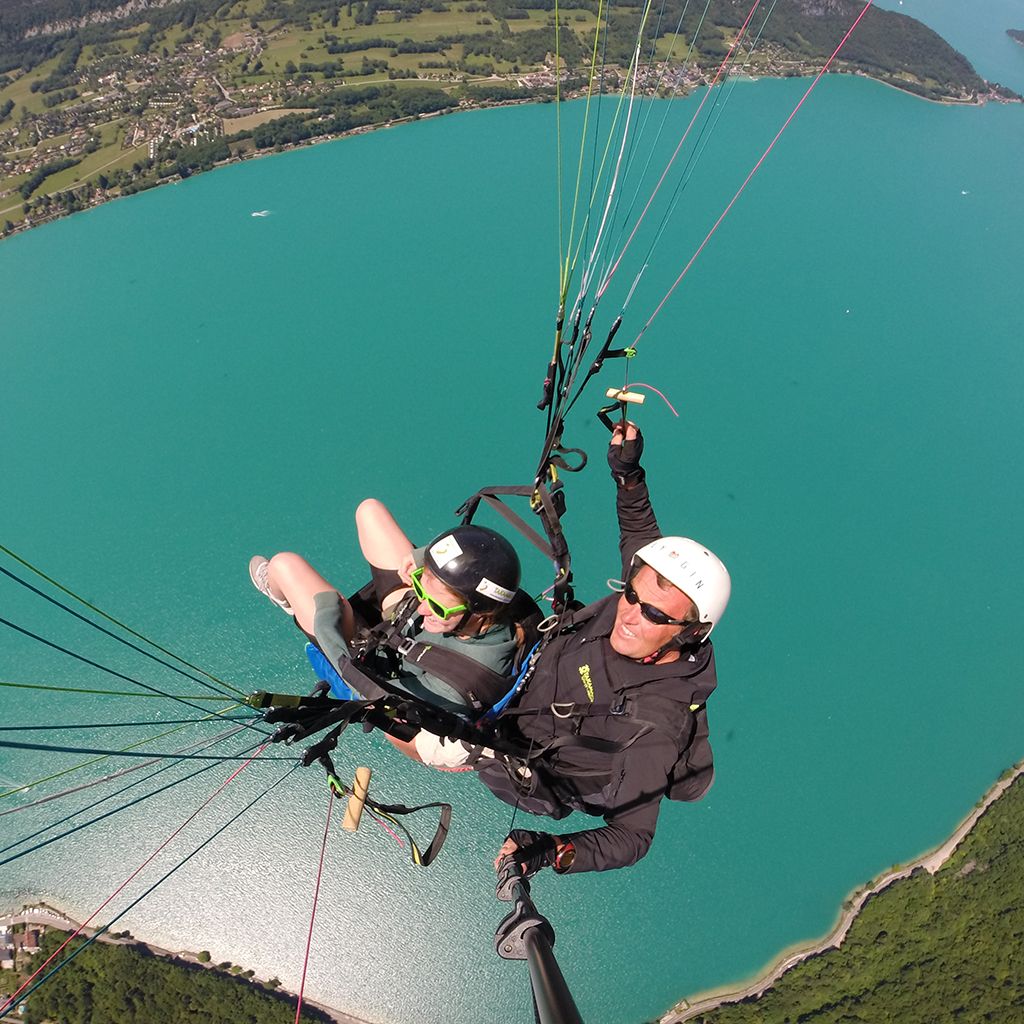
<point>258,567</point>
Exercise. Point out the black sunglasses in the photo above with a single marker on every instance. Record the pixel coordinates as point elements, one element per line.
<point>650,613</point>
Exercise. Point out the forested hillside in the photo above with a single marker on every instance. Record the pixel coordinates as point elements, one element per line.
<point>928,949</point>
<point>126,984</point>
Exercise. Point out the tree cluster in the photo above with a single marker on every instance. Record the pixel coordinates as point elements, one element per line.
<point>529,47</point>
<point>341,110</point>
<point>127,984</point>
<point>31,183</point>
<point>184,159</point>
<point>499,93</point>
<point>54,99</point>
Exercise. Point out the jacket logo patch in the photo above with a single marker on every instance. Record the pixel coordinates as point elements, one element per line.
<point>587,682</point>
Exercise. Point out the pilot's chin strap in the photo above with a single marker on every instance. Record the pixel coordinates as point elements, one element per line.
<point>690,635</point>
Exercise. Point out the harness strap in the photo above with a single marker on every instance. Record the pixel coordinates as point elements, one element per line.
<point>602,746</point>
<point>492,496</point>
<point>514,519</point>
<point>421,858</point>
<point>628,708</point>
<point>477,683</point>
<point>624,708</point>
<point>548,503</point>
<point>338,788</point>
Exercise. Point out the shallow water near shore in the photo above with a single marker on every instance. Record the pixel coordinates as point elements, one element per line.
<point>187,384</point>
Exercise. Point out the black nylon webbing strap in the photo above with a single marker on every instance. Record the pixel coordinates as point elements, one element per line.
<point>477,683</point>
<point>426,857</point>
<point>322,753</point>
<point>515,520</point>
<point>493,495</point>
<point>592,743</point>
<point>548,503</point>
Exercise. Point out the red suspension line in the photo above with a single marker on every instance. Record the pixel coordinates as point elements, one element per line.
<point>316,897</point>
<point>664,174</point>
<point>756,168</point>
<point>220,789</point>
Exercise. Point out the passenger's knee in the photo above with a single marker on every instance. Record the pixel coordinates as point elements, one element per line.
<point>370,510</point>
<point>285,563</point>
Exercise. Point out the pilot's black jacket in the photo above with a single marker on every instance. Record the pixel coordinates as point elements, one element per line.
<point>578,681</point>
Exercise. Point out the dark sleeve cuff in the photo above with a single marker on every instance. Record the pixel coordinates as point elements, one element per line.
<point>637,523</point>
<point>602,849</point>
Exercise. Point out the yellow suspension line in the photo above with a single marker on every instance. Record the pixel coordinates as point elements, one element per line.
<point>116,622</point>
<point>558,141</point>
<point>583,145</point>
<point>631,72</point>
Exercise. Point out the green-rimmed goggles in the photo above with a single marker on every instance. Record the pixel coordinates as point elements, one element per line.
<point>435,606</point>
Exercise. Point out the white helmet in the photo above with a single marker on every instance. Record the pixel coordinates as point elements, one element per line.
<point>698,573</point>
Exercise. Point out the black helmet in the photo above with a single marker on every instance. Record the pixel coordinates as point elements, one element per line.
<point>477,564</point>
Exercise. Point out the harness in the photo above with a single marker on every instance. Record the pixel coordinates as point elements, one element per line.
<point>678,717</point>
<point>377,653</point>
<point>304,716</point>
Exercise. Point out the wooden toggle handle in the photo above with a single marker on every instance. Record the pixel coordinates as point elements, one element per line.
<point>625,396</point>
<point>354,807</point>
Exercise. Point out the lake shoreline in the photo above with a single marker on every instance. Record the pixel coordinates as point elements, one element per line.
<point>929,861</point>
<point>468,107</point>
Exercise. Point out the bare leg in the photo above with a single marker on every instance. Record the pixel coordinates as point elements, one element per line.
<point>383,542</point>
<point>298,582</point>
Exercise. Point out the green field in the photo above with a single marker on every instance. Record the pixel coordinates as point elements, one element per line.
<point>146,65</point>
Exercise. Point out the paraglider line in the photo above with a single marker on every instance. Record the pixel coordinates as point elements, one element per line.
<point>110,618</point>
<point>661,395</point>
<point>316,897</point>
<point>117,693</point>
<point>754,170</point>
<point>113,636</point>
<point>128,752</point>
<point>122,725</point>
<point>103,755</point>
<point>718,74</point>
<point>112,777</point>
<point>105,814</point>
<point>5,1008</point>
<point>102,668</point>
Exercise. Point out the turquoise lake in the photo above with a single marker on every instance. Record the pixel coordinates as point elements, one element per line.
<point>185,384</point>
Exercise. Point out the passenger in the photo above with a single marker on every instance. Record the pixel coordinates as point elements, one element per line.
<point>465,581</point>
<point>614,712</point>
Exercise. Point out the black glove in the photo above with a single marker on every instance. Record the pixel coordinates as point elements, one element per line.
<point>536,850</point>
<point>624,461</point>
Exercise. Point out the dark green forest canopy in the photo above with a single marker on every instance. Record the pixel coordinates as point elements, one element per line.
<point>926,950</point>
<point>129,985</point>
